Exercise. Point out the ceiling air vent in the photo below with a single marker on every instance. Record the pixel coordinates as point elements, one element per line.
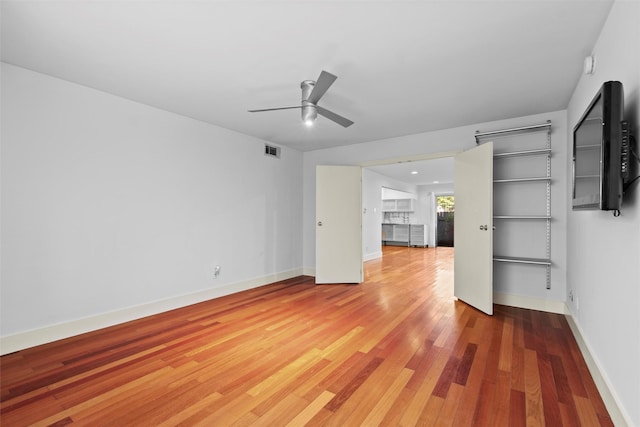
<point>272,151</point>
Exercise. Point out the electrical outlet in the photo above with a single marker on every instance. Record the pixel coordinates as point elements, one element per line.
<point>216,272</point>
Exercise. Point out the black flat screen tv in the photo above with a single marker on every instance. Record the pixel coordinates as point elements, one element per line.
<point>600,151</point>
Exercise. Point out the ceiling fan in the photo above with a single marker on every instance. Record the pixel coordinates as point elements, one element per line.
<point>312,91</point>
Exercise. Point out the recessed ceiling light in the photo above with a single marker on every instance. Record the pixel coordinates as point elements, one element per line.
<point>436,182</point>
<point>414,172</point>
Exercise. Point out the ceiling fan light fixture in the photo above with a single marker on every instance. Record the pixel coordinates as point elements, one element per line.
<point>309,114</point>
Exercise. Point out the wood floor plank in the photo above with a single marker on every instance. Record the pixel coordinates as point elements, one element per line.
<point>336,371</point>
<point>431,411</point>
<point>288,387</point>
<point>282,412</point>
<point>447,377</point>
<point>569,415</point>
<point>345,392</point>
<point>386,401</point>
<point>586,412</point>
<point>484,408</point>
<point>188,411</point>
<point>549,391</point>
<point>495,326</point>
<point>424,392</point>
<point>506,346</point>
<point>284,374</point>
<point>517,409</point>
<point>311,410</point>
<point>395,412</point>
<point>395,350</point>
<point>532,389</point>
<point>448,410</point>
<point>517,369</point>
<point>501,400</point>
<point>464,367</point>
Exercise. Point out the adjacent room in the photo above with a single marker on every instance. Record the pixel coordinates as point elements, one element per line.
<point>320,213</point>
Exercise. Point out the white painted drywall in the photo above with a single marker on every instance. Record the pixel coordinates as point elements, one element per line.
<point>604,252</point>
<point>109,204</point>
<point>391,193</point>
<point>447,141</point>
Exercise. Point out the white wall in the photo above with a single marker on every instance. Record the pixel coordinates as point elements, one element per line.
<point>603,251</point>
<point>442,189</point>
<point>390,193</point>
<point>447,141</point>
<point>109,204</point>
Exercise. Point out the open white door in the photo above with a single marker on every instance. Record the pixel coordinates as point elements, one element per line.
<point>339,224</point>
<point>473,222</point>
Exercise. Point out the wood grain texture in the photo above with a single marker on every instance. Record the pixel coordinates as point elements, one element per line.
<point>397,349</point>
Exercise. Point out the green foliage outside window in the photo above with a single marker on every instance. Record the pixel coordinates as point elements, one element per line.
<point>445,203</point>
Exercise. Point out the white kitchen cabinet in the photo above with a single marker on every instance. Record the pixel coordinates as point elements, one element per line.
<point>387,232</point>
<point>404,234</point>
<point>418,235</point>
<point>398,205</point>
<point>395,233</point>
<point>389,205</point>
<point>401,233</point>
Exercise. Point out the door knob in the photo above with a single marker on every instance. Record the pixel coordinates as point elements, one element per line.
<point>319,223</point>
<point>484,227</point>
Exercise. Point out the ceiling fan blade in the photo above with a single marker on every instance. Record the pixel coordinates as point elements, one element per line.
<point>325,80</point>
<point>274,109</point>
<point>333,116</point>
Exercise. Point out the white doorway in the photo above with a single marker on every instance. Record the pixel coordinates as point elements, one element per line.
<point>406,164</point>
<point>433,176</point>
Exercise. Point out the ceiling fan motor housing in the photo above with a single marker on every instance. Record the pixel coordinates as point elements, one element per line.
<point>309,112</point>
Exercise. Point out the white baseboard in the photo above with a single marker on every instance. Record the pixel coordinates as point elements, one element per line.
<point>310,271</point>
<point>372,256</point>
<point>531,303</point>
<point>617,413</point>
<point>32,338</point>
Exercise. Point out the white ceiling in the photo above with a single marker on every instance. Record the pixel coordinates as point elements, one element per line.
<point>428,171</point>
<point>403,67</point>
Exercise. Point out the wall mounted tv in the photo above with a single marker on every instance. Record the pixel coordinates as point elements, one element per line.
<point>601,152</point>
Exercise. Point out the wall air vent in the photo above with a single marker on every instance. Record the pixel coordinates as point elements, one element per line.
<point>270,150</point>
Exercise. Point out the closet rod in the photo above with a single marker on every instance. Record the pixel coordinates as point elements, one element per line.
<point>520,129</point>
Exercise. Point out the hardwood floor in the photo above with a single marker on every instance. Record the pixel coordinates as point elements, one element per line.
<point>395,350</point>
